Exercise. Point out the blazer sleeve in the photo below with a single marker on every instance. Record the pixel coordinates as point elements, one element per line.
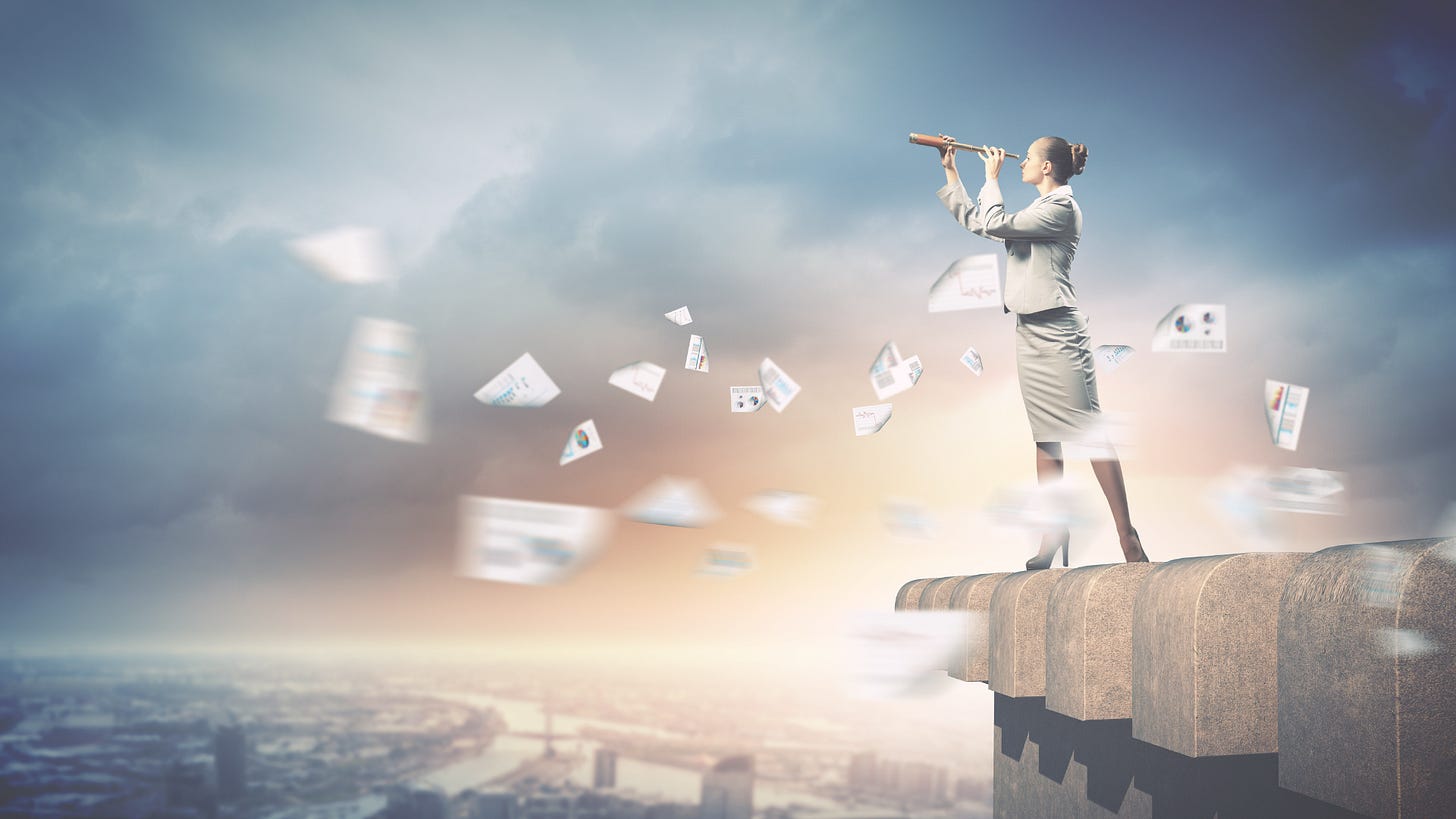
<point>1044,219</point>
<point>965,211</point>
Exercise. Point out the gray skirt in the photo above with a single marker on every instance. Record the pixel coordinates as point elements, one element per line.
<point>1058,377</point>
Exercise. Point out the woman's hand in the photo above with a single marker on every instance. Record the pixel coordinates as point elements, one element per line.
<point>993,157</point>
<point>947,154</point>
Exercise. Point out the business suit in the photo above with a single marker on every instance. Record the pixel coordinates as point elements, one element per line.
<point>1054,361</point>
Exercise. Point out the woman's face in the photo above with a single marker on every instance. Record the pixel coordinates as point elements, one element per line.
<point>1033,165</point>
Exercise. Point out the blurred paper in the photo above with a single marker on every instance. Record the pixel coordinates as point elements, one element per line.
<point>913,362</point>
<point>584,441</point>
<point>1284,406</point>
<point>1040,508</point>
<point>379,389</point>
<point>354,255</point>
<point>903,653</point>
<point>778,388</point>
<point>891,374</point>
<point>680,316</point>
<point>969,283</point>
<point>641,378</point>
<point>697,355</point>
<point>522,384</point>
<point>726,560</point>
<point>1309,491</point>
<point>1111,356</point>
<point>1192,328</point>
<point>672,502</point>
<point>1383,570</point>
<point>1405,642</point>
<point>907,519</point>
<point>871,419</point>
<point>780,506</point>
<point>745,399</point>
<point>972,360</point>
<point>516,541</point>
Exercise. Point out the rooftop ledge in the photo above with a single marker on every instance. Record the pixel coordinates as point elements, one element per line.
<point>1196,685</point>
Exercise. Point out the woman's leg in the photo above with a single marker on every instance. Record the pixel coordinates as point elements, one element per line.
<point>1109,475</point>
<point>1049,468</point>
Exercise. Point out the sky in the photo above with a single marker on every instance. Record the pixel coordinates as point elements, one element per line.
<point>552,178</point>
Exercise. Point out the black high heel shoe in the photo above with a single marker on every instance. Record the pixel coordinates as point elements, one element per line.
<point>1043,560</point>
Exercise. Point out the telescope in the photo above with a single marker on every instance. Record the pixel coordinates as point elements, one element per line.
<point>937,142</point>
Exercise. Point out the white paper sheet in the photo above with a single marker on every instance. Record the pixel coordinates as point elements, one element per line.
<point>582,442</point>
<point>522,384</point>
<point>1284,406</point>
<point>380,388</point>
<point>778,388</point>
<point>517,541</point>
<point>680,316</point>
<point>697,355</point>
<point>354,255</point>
<point>641,378</point>
<point>1192,328</point>
<point>969,283</point>
<point>871,419</point>
<point>1112,356</point>
<point>972,360</point>
<point>745,399</point>
<point>670,501</point>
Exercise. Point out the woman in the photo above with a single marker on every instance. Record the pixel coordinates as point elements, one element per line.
<point>1053,351</point>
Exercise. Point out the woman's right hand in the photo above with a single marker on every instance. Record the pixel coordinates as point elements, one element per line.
<point>947,153</point>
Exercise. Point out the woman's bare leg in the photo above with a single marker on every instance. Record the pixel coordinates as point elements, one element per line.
<point>1049,468</point>
<point>1109,475</point>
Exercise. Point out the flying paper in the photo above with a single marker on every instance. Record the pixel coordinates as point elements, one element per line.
<point>1284,406</point>
<point>583,441</point>
<point>967,284</point>
<point>697,355</point>
<point>379,388</point>
<point>778,388</point>
<point>641,378</point>
<point>1192,328</point>
<point>680,316</point>
<point>780,506</point>
<point>871,419</point>
<point>522,384</point>
<point>672,502</point>
<point>516,541</point>
<point>972,360</point>
<point>353,255</point>
<point>726,560</point>
<point>745,399</point>
<point>1111,356</point>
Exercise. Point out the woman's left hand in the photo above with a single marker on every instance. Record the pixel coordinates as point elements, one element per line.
<point>993,157</point>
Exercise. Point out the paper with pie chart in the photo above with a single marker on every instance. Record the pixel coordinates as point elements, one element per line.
<point>1193,328</point>
<point>584,441</point>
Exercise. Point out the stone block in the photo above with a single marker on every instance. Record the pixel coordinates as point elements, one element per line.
<point>1089,641</point>
<point>1016,656</point>
<point>1204,654</point>
<point>1367,678</point>
<point>973,596</point>
<point>908,598</point>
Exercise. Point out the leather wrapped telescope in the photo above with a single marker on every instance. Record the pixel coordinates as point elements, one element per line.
<point>937,142</point>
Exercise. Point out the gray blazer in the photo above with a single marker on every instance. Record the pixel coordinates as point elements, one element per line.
<point>1040,243</point>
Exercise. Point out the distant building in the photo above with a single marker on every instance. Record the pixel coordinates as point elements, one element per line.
<point>414,803</point>
<point>230,755</point>
<point>728,789</point>
<point>495,805</point>
<point>863,771</point>
<point>187,788</point>
<point>604,771</point>
<point>548,806</point>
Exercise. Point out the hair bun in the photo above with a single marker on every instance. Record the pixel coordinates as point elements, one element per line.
<point>1079,157</point>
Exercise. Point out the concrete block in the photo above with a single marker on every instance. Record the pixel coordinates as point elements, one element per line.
<point>1204,654</point>
<point>1048,765</point>
<point>973,596</point>
<point>1089,641</point>
<point>937,593</point>
<point>908,598</point>
<point>1367,678</point>
<point>1016,657</point>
